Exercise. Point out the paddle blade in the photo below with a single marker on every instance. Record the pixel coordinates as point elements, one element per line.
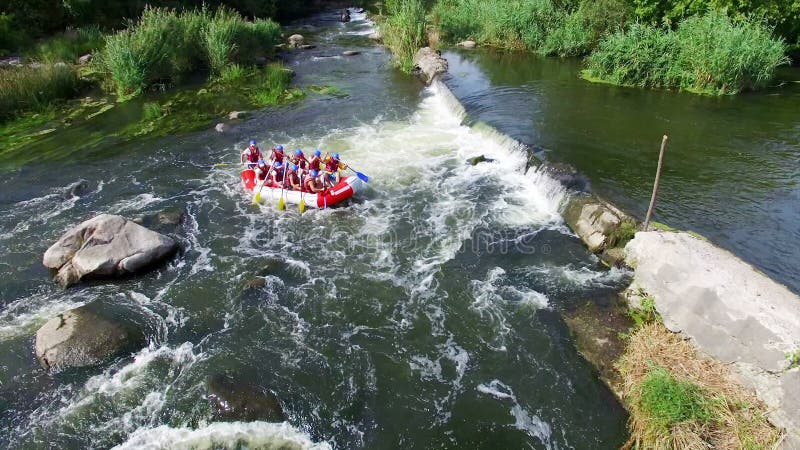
<point>302,206</point>
<point>257,198</point>
<point>363,177</point>
<point>281,204</point>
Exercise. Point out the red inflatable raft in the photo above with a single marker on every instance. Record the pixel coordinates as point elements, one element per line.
<point>346,188</point>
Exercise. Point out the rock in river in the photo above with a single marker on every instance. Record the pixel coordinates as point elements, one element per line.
<point>467,44</point>
<point>105,246</point>
<point>428,63</point>
<point>296,40</point>
<point>85,336</point>
<point>240,400</point>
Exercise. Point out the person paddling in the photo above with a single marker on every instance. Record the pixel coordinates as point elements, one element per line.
<point>293,178</point>
<point>277,154</point>
<point>251,155</point>
<point>333,168</point>
<point>313,183</point>
<point>300,160</point>
<point>262,170</point>
<point>277,174</point>
<point>315,162</point>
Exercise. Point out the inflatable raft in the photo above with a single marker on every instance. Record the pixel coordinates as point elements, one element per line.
<point>347,187</point>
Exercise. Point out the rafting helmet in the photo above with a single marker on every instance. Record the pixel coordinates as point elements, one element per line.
<point>293,167</point>
<point>279,148</point>
<point>252,142</point>
<point>335,156</point>
<point>278,165</point>
<point>315,173</point>
<point>298,152</point>
<point>261,162</point>
<point>317,153</point>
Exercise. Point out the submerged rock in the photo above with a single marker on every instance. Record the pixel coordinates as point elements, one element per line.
<point>345,16</point>
<point>567,175</point>
<point>240,400</point>
<point>307,46</point>
<point>76,189</point>
<point>85,336</point>
<point>296,40</point>
<point>106,246</point>
<point>475,160</point>
<point>222,128</point>
<point>467,44</point>
<point>85,59</point>
<point>376,36</point>
<point>351,53</point>
<point>428,63</point>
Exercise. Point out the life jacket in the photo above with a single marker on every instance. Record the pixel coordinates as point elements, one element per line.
<point>253,154</point>
<point>332,165</point>
<point>301,161</point>
<point>292,178</point>
<point>315,163</point>
<point>312,183</point>
<point>277,175</point>
<point>277,155</point>
<point>261,171</point>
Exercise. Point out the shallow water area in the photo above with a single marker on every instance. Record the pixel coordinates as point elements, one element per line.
<point>424,314</point>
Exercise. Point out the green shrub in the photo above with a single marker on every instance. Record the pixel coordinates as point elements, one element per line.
<point>669,401</point>
<point>232,73</point>
<point>9,34</point>
<point>646,312</point>
<point>709,53</point>
<point>68,47</point>
<point>153,111</point>
<point>404,30</point>
<point>34,89</point>
<point>228,38</point>
<point>272,84</point>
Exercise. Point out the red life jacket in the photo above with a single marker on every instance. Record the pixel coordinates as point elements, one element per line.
<point>332,165</point>
<point>292,178</point>
<point>315,163</point>
<point>277,175</point>
<point>253,154</point>
<point>301,161</point>
<point>261,171</point>
<point>277,155</point>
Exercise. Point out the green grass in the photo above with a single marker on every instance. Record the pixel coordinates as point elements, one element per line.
<point>232,73</point>
<point>68,47</point>
<point>624,233</point>
<point>153,111</point>
<point>794,359</point>
<point>669,401</point>
<point>646,312</point>
<point>164,46</point>
<point>24,89</point>
<point>404,30</point>
<point>271,86</point>
<point>707,54</point>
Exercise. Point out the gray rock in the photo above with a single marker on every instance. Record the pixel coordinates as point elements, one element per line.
<point>730,310</point>
<point>613,257</point>
<point>222,128</point>
<point>475,160</point>
<point>239,400</point>
<point>351,53</point>
<point>428,64</point>
<point>467,44</point>
<point>376,36</point>
<point>85,59</point>
<point>260,61</point>
<point>84,336</point>
<point>593,220</point>
<point>307,47</point>
<point>15,61</point>
<point>567,175</point>
<point>237,115</point>
<point>296,40</point>
<point>106,246</point>
<point>76,189</point>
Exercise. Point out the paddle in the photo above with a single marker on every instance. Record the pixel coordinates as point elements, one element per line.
<point>221,165</point>
<point>282,202</point>
<point>257,197</point>
<point>302,193</point>
<point>363,177</point>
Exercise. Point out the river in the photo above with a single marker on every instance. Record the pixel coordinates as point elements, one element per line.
<point>426,314</point>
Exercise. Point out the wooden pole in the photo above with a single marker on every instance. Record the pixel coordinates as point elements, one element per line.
<point>655,184</point>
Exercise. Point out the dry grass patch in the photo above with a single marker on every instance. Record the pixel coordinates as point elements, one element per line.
<point>679,400</point>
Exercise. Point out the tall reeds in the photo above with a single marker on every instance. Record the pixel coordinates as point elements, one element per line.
<point>34,89</point>
<point>404,30</point>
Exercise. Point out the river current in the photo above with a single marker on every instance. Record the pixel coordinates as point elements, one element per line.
<point>426,314</point>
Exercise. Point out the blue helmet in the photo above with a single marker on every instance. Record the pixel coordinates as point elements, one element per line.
<point>279,148</point>
<point>293,167</point>
<point>261,162</point>
<point>335,156</point>
<point>315,173</point>
<point>252,142</point>
<point>278,165</point>
<point>317,153</point>
<point>298,152</point>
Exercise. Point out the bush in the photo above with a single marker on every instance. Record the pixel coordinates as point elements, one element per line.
<point>272,84</point>
<point>668,401</point>
<point>710,53</point>
<point>34,89</point>
<point>164,45</point>
<point>404,30</point>
<point>68,47</point>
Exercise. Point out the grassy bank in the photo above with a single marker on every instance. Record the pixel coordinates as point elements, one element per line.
<point>35,89</point>
<point>709,54</point>
<point>678,399</point>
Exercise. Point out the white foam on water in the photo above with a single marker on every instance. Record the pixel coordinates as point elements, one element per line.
<point>25,315</point>
<point>228,435</point>
<point>531,424</point>
<point>579,277</point>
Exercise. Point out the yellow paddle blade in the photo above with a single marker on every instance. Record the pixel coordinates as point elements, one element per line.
<point>257,198</point>
<point>281,204</point>
<point>302,206</point>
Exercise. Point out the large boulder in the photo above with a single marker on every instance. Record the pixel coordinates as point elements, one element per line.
<point>296,40</point>
<point>106,246</point>
<point>594,221</point>
<point>85,336</point>
<point>240,400</point>
<point>467,44</point>
<point>428,63</point>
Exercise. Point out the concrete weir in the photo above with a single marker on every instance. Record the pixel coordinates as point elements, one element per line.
<point>731,312</point>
